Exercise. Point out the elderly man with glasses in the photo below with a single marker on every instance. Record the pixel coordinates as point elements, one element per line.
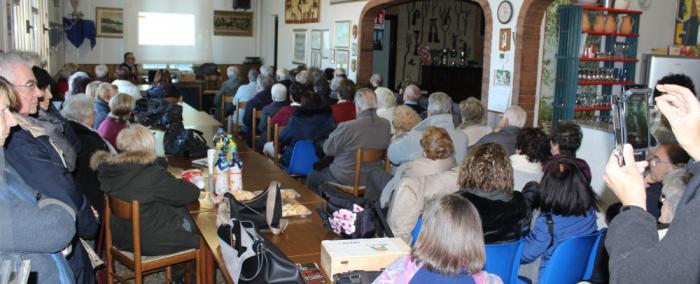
<point>666,165</point>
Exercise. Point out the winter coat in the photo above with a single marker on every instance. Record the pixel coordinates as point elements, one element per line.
<point>506,137</point>
<point>110,128</point>
<point>60,133</point>
<point>166,226</point>
<point>26,218</point>
<point>85,177</point>
<point>284,114</point>
<point>475,132</point>
<point>404,269</point>
<point>305,124</point>
<point>269,111</point>
<point>101,112</point>
<point>408,148</point>
<point>420,181</point>
<point>343,111</point>
<point>258,102</point>
<point>504,218</point>
<point>228,89</point>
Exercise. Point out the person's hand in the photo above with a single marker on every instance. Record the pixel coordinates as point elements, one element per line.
<point>627,181</point>
<point>682,109</point>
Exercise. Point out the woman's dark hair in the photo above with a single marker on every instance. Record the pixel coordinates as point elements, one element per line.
<point>676,79</point>
<point>346,90</point>
<point>533,143</point>
<point>162,78</point>
<point>80,85</point>
<point>565,190</point>
<point>310,100</point>
<point>296,90</point>
<point>43,79</point>
<point>328,73</point>
<point>568,136</point>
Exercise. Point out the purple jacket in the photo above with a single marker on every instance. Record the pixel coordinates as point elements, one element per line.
<point>110,128</point>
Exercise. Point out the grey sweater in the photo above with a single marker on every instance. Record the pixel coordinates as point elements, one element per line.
<point>367,131</point>
<point>637,255</point>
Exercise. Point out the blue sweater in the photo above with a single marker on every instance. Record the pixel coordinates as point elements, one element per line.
<point>565,227</point>
<point>425,276</point>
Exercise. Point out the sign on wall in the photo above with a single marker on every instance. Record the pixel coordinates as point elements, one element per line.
<point>302,11</point>
<point>109,22</point>
<point>228,23</point>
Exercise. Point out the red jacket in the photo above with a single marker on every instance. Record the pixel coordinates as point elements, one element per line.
<point>343,112</point>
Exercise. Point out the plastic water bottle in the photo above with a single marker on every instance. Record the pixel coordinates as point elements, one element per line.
<point>219,138</point>
<point>221,175</point>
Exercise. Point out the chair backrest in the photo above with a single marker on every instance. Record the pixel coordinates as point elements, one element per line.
<point>416,230</point>
<point>569,260</point>
<point>212,81</point>
<point>127,211</point>
<point>364,156</point>
<point>225,100</point>
<point>504,260</point>
<point>237,113</point>
<point>303,158</point>
<point>257,114</point>
<point>268,128</point>
<point>276,143</point>
<point>594,254</point>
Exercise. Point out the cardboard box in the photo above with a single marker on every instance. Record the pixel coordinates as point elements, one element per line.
<point>360,254</point>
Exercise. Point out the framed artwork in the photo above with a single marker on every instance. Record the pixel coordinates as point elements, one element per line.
<point>109,22</point>
<point>316,58</point>
<point>229,23</point>
<point>326,44</point>
<point>316,39</point>
<point>299,47</point>
<point>302,11</point>
<point>504,39</point>
<point>342,1</point>
<point>342,59</point>
<point>342,34</point>
<point>502,78</point>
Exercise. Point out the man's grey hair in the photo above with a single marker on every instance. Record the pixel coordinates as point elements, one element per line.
<point>33,58</point>
<point>267,71</point>
<point>303,78</point>
<point>376,80</point>
<point>516,116</point>
<point>365,99</point>
<point>439,103</point>
<point>279,93</point>
<point>339,71</point>
<point>265,82</point>
<point>282,74</point>
<point>78,108</point>
<point>232,72</point>
<point>385,97</point>
<point>101,70</point>
<point>411,93</point>
<point>8,61</point>
<point>252,75</point>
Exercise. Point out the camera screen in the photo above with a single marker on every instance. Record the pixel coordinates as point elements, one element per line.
<point>636,120</point>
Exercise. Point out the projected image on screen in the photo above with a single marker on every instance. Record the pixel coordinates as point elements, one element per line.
<point>166,29</point>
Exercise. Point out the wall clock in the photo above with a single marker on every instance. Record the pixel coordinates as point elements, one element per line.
<point>505,12</point>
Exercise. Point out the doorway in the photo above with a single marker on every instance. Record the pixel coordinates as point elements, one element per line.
<point>384,54</point>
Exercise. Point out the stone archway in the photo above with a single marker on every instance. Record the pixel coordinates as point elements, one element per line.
<point>527,41</point>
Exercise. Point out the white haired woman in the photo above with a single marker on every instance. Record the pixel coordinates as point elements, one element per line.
<point>386,101</point>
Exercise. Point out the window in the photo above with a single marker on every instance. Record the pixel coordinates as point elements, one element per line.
<point>28,19</point>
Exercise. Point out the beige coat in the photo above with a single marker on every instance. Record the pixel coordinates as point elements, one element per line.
<point>420,181</point>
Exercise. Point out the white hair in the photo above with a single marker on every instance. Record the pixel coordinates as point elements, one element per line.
<point>267,70</point>
<point>411,93</point>
<point>73,77</point>
<point>339,71</point>
<point>7,63</point>
<point>101,70</point>
<point>303,77</point>
<point>516,116</point>
<point>279,93</point>
<point>376,80</point>
<point>365,99</point>
<point>439,103</point>
<point>232,72</point>
<point>282,74</point>
<point>385,97</point>
<point>78,108</point>
<point>33,58</point>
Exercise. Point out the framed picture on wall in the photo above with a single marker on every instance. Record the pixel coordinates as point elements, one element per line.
<point>299,47</point>
<point>342,59</point>
<point>342,1</point>
<point>342,34</point>
<point>229,23</point>
<point>504,40</point>
<point>301,11</point>
<point>316,39</point>
<point>109,22</point>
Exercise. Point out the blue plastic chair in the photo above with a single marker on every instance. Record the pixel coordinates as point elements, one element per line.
<point>594,253</point>
<point>504,260</point>
<point>416,230</point>
<point>570,260</point>
<point>303,158</point>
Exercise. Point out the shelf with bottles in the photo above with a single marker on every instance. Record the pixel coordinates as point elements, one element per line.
<point>611,10</point>
<point>609,34</point>
<point>604,76</point>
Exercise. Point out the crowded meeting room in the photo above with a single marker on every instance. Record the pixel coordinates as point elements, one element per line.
<point>349,141</point>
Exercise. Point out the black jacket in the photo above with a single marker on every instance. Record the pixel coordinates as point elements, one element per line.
<point>502,221</point>
<point>166,226</point>
<point>85,178</point>
<point>305,124</point>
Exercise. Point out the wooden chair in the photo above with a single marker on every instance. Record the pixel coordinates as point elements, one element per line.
<point>257,114</point>
<point>134,261</point>
<point>276,144</point>
<point>225,100</point>
<point>239,106</point>
<point>363,156</point>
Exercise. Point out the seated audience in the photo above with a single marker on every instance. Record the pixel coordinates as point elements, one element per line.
<point>102,73</point>
<point>263,98</point>
<point>411,95</point>
<point>419,181</point>
<point>282,76</point>
<point>268,71</point>
<point>118,118</point>
<point>403,120</point>
<point>335,82</point>
<point>27,215</point>
<point>81,115</point>
<point>245,93</point>
<point>61,77</point>
<point>304,78</point>
<point>279,100</point>
<point>531,150</point>
<point>104,93</point>
<point>124,84</point>
<point>473,120</point>
<point>38,161</point>
<point>564,140</point>
<point>439,108</point>
<point>76,85</point>
<point>666,169</point>
<point>436,258</point>
<point>133,174</point>
<point>486,179</point>
<point>228,89</point>
<point>368,131</point>
<point>295,91</point>
<point>568,202</point>
<point>162,86</point>
<point>508,127</point>
<point>321,86</point>
<point>376,81</point>
<point>344,110</point>
<point>340,72</point>
<point>92,88</point>
<point>658,124</point>
<point>310,121</point>
<point>386,101</point>
<point>130,66</point>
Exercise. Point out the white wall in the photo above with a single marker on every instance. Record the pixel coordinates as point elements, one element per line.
<point>3,25</point>
<point>329,15</point>
<point>226,49</point>
<point>656,29</point>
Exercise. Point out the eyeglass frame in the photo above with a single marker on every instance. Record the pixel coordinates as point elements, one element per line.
<point>654,160</point>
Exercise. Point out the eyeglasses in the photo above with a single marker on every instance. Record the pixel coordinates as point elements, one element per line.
<point>30,85</point>
<point>654,160</point>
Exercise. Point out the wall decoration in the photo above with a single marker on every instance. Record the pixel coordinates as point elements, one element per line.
<point>354,31</point>
<point>502,78</point>
<point>316,39</point>
<point>687,22</point>
<point>299,47</point>
<point>342,34</point>
<point>229,23</point>
<point>342,59</point>
<point>504,40</point>
<point>302,11</point>
<point>109,22</point>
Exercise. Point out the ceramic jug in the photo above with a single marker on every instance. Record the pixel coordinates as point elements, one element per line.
<point>610,24</point>
<point>627,25</point>
<point>599,24</point>
<point>585,22</point>
<point>622,4</point>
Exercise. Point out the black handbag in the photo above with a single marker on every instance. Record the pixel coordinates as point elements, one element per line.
<point>356,277</point>
<point>348,216</point>
<point>264,210</point>
<point>250,257</point>
<point>184,142</point>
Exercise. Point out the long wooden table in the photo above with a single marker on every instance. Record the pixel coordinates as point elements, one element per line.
<point>301,241</point>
